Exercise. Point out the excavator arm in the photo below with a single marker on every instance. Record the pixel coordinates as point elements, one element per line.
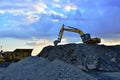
<point>71,29</point>
<point>86,38</point>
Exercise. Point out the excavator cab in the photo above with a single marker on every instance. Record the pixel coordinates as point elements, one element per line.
<point>85,36</point>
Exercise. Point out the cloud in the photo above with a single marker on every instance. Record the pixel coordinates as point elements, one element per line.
<point>70,6</point>
<point>42,19</point>
<point>63,41</point>
<point>110,41</point>
<point>39,7</point>
<point>28,11</point>
<point>43,42</point>
<point>57,1</point>
<point>2,11</point>
<point>39,42</point>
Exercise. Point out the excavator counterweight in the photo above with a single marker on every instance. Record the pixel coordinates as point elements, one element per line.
<point>86,38</point>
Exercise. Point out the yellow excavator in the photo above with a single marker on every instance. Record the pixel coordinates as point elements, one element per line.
<point>86,38</point>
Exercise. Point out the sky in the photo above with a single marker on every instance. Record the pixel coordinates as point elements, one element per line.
<point>36,23</point>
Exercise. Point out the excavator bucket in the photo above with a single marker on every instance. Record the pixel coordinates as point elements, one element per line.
<point>56,42</point>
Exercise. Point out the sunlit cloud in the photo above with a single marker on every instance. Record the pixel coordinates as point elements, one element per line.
<point>40,7</point>
<point>2,11</point>
<point>64,41</point>
<point>70,6</point>
<point>111,42</point>
<point>39,42</point>
<point>43,42</point>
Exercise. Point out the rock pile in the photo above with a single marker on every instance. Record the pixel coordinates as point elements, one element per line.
<point>85,56</point>
<point>67,62</point>
<point>36,68</point>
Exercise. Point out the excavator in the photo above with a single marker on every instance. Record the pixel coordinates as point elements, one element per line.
<point>86,38</point>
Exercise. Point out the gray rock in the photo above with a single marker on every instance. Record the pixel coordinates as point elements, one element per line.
<point>43,70</point>
<point>105,58</point>
<point>91,66</point>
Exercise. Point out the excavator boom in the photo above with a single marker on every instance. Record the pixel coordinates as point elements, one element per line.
<point>86,38</point>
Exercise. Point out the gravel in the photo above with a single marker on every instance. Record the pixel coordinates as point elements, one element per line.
<point>24,69</point>
<point>67,62</point>
<point>90,56</point>
<point>58,70</point>
<point>37,68</point>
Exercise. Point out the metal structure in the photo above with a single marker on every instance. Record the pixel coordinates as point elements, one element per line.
<point>86,38</point>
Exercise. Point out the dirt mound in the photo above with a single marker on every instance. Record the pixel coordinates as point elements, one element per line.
<point>85,56</point>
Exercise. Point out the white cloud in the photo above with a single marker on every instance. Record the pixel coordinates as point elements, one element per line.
<point>55,16</point>
<point>43,42</point>
<point>55,20</point>
<point>2,11</point>
<point>31,17</point>
<point>55,13</point>
<point>40,44</point>
<point>39,7</point>
<point>70,6</point>
<point>64,41</point>
<point>57,5</point>
<point>56,1</point>
<point>24,12</point>
<point>15,12</point>
<point>37,42</point>
<point>110,41</point>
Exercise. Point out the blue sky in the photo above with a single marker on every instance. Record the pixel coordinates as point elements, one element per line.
<point>36,23</point>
